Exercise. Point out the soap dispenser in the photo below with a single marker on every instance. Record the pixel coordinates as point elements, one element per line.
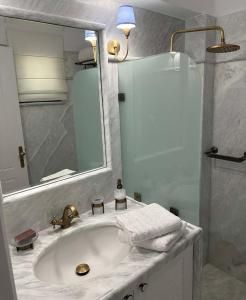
<point>120,196</point>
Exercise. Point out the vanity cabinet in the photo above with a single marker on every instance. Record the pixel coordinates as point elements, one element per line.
<point>171,281</point>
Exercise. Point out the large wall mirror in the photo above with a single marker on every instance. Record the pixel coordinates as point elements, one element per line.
<point>51,124</point>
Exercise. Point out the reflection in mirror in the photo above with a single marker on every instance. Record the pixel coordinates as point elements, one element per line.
<point>50,109</point>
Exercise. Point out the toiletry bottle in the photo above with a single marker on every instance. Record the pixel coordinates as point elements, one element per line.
<point>120,196</point>
<point>97,206</point>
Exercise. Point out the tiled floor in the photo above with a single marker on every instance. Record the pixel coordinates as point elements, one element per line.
<point>217,285</point>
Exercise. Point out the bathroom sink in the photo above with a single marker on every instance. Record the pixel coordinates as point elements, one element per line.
<point>97,246</point>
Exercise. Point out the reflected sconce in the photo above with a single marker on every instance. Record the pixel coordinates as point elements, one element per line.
<point>125,22</point>
<point>91,37</point>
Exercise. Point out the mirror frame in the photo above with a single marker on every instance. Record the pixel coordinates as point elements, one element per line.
<point>28,15</point>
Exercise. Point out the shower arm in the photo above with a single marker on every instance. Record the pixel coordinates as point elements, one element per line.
<point>207,28</point>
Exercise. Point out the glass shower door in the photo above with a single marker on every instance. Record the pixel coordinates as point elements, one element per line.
<point>87,120</point>
<point>161,131</point>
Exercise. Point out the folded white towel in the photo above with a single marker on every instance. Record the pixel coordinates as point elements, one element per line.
<point>148,222</point>
<point>164,243</point>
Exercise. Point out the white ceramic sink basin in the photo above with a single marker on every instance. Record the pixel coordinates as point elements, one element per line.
<point>97,246</point>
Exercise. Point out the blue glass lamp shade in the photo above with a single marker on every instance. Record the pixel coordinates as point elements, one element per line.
<point>126,18</point>
<point>90,35</point>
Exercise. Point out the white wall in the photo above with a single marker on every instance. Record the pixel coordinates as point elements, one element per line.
<point>198,6</point>
<point>215,8</point>
<point>225,7</point>
<point>183,8</point>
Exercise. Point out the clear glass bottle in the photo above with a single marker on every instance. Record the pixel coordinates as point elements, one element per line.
<point>97,206</point>
<point>120,196</point>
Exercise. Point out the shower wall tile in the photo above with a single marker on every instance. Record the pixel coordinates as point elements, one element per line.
<point>195,46</point>
<point>197,42</point>
<point>234,26</point>
<point>152,35</point>
<point>223,212</point>
<point>227,245</point>
<point>206,164</point>
<point>230,108</point>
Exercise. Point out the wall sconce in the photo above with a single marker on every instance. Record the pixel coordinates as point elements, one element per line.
<point>126,22</point>
<point>91,37</point>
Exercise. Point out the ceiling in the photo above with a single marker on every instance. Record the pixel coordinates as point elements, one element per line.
<point>159,6</point>
<point>182,9</point>
<point>164,7</point>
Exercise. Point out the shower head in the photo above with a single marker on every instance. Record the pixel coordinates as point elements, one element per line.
<point>223,48</point>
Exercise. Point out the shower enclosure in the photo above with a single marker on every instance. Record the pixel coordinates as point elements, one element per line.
<point>87,120</point>
<point>161,121</point>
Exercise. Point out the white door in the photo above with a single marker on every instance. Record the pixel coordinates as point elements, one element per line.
<point>12,175</point>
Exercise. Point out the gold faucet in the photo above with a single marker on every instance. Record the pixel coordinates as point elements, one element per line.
<point>70,212</point>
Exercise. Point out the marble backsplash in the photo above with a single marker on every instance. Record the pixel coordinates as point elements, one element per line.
<point>35,209</point>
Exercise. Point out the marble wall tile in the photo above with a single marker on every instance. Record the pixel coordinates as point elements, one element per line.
<point>227,230</point>
<point>206,163</point>
<point>227,247</point>
<point>197,42</point>
<point>35,208</point>
<point>195,46</point>
<point>223,222</point>
<point>234,26</point>
<point>150,37</point>
<point>115,122</point>
<point>150,23</point>
<point>74,9</point>
<point>152,34</point>
<point>230,108</point>
<point>49,139</point>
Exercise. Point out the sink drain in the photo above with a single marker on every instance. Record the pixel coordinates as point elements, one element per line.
<point>82,269</point>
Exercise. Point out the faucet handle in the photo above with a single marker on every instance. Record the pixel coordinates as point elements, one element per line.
<point>72,211</point>
<point>53,222</point>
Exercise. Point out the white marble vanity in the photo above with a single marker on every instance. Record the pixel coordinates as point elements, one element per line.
<point>137,274</point>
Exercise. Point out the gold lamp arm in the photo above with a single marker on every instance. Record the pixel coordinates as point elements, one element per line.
<point>127,52</point>
<point>114,47</point>
<point>207,28</point>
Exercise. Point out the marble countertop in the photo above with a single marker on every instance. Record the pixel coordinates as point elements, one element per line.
<point>105,287</point>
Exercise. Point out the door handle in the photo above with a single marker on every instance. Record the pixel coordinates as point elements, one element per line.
<point>22,155</point>
<point>128,297</point>
<point>142,287</point>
